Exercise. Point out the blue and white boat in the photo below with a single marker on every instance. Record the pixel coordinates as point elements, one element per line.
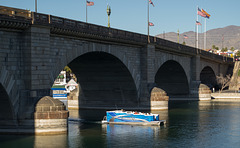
<point>132,117</point>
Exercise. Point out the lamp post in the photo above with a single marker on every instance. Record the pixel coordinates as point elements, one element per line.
<point>108,13</point>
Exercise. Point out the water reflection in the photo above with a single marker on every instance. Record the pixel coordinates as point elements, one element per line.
<point>85,135</point>
<point>127,135</point>
<point>13,141</point>
<point>53,141</point>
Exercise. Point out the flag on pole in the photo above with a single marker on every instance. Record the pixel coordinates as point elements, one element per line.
<point>207,15</point>
<point>90,3</point>
<point>150,2</point>
<point>185,37</point>
<point>150,24</point>
<point>199,12</point>
<point>198,23</point>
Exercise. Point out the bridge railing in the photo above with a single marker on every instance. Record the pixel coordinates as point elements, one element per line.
<point>59,24</point>
<point>189,49</point>
<point>15,12</point>
<point>174,45</point>
<point>216,56</point>
<point>82,27</point>
<point>15,18</point>
<point>106,32</point>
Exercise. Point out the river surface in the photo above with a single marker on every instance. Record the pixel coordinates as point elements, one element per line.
<point>189,124</point>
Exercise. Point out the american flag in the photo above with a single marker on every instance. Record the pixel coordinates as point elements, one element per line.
<point>185,37</point>
<point>90,3</point>
<point>199,12</point>
<point>150,2</point>
<point>150,24</point>
<point>198,23</point>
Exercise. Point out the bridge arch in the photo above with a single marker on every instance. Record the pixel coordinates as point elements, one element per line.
<point>208,77</point>
<point>104,79</point>
<point>79,48</point>
<point>6,109</point>
<point>172,78</point>
<point>9,98</point>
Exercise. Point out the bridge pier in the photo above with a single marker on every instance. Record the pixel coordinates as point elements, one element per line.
<point>50,116</point>
<point>197,89</point>
<point>159,99</point>
<point>151,96</point>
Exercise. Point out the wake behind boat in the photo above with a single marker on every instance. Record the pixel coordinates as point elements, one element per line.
<point>132,118</point>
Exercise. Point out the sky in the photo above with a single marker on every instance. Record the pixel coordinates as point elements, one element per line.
<point>131,15</point>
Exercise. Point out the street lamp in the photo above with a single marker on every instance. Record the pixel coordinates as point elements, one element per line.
<point>108,13</point>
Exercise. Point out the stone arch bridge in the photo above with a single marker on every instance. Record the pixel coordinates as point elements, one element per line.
<point>113,67</point>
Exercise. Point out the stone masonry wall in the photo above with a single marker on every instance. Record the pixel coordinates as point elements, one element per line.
<point>11,66</point>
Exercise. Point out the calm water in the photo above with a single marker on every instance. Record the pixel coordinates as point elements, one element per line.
<point>189,124</point>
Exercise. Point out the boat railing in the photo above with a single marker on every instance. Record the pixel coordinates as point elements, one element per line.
<point>104,118</point>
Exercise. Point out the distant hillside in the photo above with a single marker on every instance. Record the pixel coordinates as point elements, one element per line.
<point>227,37</point>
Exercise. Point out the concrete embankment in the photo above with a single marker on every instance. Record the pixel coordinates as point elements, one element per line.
<point>225,96</point>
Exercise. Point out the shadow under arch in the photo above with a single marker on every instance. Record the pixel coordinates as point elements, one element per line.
<point>172,78</point>
<point>104,81</point>
<point>208,77</point>
<point>6,110</point>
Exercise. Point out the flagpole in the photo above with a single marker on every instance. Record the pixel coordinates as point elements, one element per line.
<point>195,35</point>
<point>178,36</point>
<point>197,28</point>
<point>200,46</point>
<point>205,33</point>
<point>86,11</point>
<point>148,22</point>
<point>36,6</point>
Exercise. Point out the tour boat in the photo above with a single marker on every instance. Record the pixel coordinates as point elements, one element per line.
<point>132,118</point>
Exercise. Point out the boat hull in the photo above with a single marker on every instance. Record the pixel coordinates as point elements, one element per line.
<point>152,123</point>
